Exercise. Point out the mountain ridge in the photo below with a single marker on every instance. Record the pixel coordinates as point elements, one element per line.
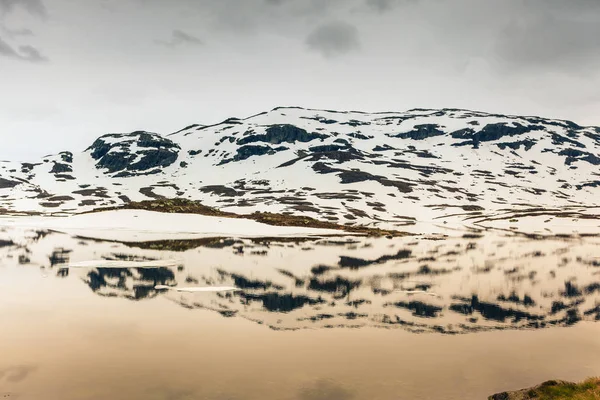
<point>388,169</point>
<point>567,121</point>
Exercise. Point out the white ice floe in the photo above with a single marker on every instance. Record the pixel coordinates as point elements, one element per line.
<point>198,289</point>
<point>411,292</point>
<point>124,264</point>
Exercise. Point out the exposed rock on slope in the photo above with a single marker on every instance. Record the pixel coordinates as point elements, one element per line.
<point>133,154</point>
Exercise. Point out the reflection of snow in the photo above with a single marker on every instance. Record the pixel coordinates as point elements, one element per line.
<point>197,289</point>
<point>493,280</point>
<point>124,264</point>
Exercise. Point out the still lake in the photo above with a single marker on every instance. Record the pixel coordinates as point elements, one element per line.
<point>313,318</point>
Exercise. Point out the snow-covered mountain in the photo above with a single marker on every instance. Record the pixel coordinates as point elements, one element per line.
<point>382,169</point>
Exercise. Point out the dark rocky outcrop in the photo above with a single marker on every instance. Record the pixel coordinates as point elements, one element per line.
<point>421,132</point>
<point>526,144</point>
<point>137,152</point>
<point>6,183</point>
<point>277,134</point>
<point>492,132</point>
<point>574,155</point>
<point>245,152</point>
<point>58,168</point>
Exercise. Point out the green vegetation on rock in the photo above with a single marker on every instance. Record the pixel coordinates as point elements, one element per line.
<point>555,390</point>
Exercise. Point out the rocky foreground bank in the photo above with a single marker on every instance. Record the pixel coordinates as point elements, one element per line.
<point>555,390</point>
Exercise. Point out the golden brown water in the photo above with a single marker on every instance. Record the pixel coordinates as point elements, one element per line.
<point>94,333</point>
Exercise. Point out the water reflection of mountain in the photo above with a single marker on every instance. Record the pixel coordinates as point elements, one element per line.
<point>130,283</point>
<point>448,285</point>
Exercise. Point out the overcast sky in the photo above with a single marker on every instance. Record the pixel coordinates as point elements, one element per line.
<point>71,70</point>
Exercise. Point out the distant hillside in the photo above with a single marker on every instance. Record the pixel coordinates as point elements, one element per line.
<point>378,169</point>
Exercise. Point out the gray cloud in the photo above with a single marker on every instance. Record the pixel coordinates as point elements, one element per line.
<point>34,7</point>
<point>334,38</point>
<point>182,37</point>
<point>256,16</point>
<point>552,36</point>
<point>179,38</point>
<point>17,31</point>
<point>381,5</point>
<point>30,53</point>
<point>6,50</point>
<point>24,53</point>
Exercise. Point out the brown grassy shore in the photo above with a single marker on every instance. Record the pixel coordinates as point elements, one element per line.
<point>555,390</point>
<point>184,206</point>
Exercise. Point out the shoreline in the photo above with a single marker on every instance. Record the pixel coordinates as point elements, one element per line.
<point>588,389</point>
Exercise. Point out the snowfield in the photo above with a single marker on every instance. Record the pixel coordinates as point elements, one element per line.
<point>388,170</point>
<point>140,225</point>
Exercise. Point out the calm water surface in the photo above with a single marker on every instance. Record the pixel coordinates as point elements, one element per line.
<point>314,319</point>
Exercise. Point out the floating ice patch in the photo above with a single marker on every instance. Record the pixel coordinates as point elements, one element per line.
<point>198,289</point>
<point>410,292</point>
<point>124,264</point>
